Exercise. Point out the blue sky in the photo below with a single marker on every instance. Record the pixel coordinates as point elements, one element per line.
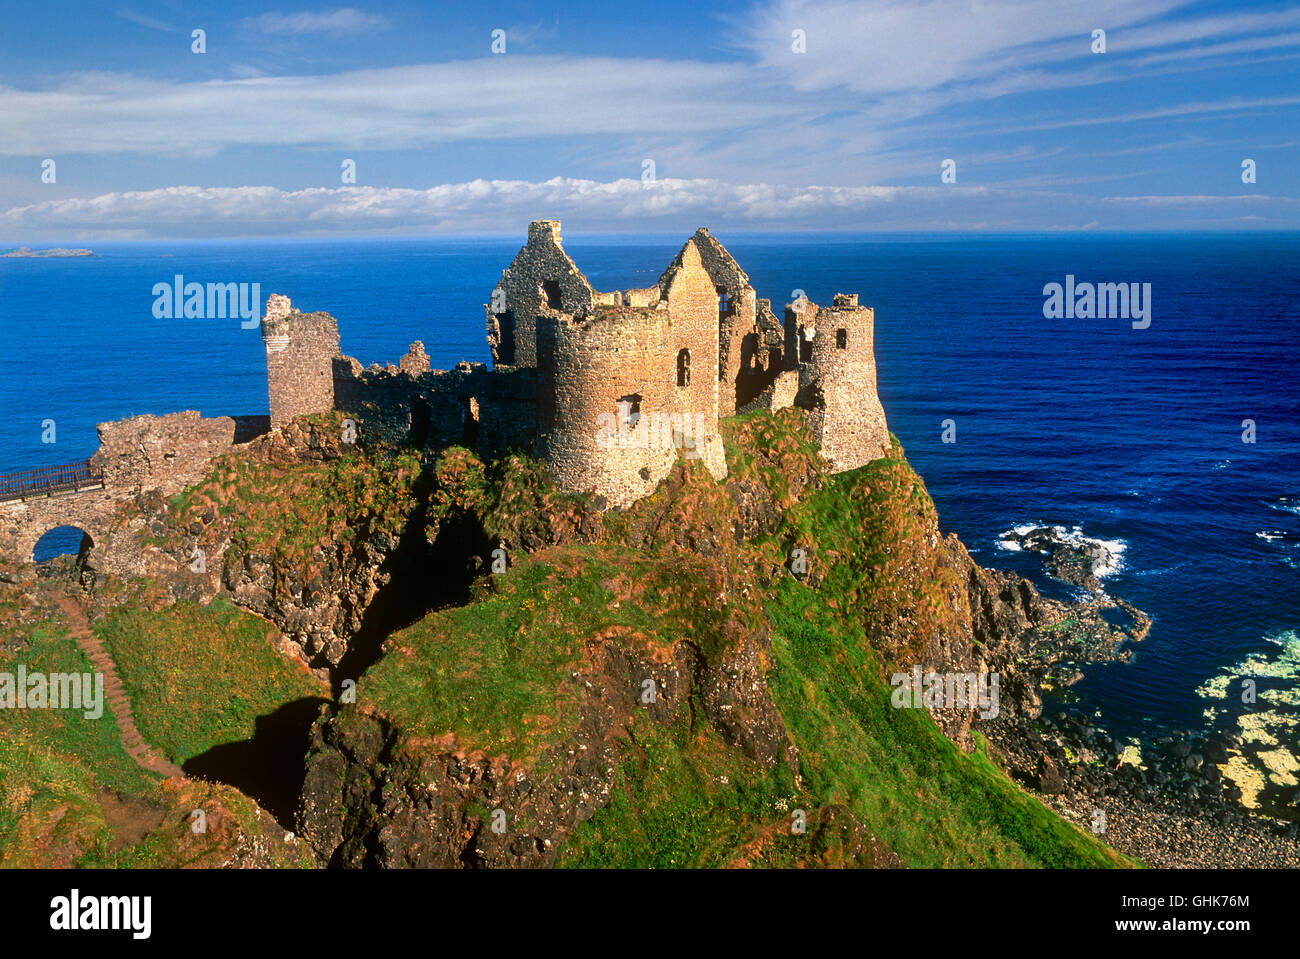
<point>152,140</point>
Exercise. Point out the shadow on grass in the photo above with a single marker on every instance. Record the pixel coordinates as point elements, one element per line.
<point>271,766</point>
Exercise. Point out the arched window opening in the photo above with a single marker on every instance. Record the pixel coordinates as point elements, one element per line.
<point>552,290</point>
<point>629,411</point>
<point>684,368</point>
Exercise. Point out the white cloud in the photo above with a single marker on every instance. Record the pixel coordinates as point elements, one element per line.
<point>504,207</point>
<point>342,21</point>
<point>390,108</point>
<point>896,46</point>
<point>126,13</point>
<point>501,206</point>
<point>1203,200</point>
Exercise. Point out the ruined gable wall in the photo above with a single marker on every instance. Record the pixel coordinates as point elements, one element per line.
<point>692,305</point>
<point>737,325</point>
<point>512,334</point>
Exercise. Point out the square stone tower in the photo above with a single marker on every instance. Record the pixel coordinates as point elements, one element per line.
<point>300,352</point>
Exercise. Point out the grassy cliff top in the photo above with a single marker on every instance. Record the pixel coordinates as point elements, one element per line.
<point>509,672</point>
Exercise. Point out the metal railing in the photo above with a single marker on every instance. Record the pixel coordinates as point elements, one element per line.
<point>49,479</point>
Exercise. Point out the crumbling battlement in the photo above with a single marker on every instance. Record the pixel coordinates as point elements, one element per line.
<point>491,411</point>
<point>608,389</point>
<point>832,350</point>
<point>166,453</point>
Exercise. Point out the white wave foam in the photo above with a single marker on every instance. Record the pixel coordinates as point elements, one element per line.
<point>1074,535</point>
<point>1284,638</point>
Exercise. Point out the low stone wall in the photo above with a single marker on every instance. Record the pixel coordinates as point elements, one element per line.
<point>137,455</point>
<point>489,411</point>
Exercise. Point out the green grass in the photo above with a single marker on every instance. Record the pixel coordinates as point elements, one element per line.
<point>58,769</point>
<point>199,676</point>
<point>681,800</point>
<point>910,785</point>
<point>498,672</point>
<point>50,649</point>
<point>292,513</point>
<point>880,594</point>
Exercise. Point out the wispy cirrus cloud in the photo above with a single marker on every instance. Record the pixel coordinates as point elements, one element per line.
<point>886,91</point>
<point>346,20</point>
<point>153,23</point>
<point>404,107</point>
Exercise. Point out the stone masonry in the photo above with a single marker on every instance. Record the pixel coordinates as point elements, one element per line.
<point>300,349</point>
<point>137,456</point>
<point>608,389</point>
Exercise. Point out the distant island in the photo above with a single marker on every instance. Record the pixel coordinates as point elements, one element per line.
<point>26,251</point>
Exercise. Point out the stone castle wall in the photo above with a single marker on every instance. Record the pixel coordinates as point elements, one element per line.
<point>833,351</point>
<point>166,453</point>
<point>620,354</point>
<point>137,455</point>
<point>300,350</point>
<point>541,276</point>
<point>606,388</point>
<point>490,411</point>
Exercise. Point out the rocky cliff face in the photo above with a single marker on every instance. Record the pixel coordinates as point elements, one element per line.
<point>382,793</point>
<point>299,527</point>
<point>659,614</point>
<point>377,796</point>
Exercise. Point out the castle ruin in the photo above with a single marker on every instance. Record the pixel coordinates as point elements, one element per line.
<point>606,388</point>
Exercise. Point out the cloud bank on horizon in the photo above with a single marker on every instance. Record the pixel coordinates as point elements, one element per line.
<point>782,115</point>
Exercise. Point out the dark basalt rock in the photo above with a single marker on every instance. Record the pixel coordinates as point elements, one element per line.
<point>1048,777</point>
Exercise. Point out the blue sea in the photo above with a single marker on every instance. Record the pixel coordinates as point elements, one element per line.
<point>1132,436</point>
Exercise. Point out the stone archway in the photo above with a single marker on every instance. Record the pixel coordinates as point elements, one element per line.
<point>62,540</point>
<point>23,523</point>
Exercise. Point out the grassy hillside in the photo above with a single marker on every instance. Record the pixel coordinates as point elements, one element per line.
<point>199,676</point>
<point>71,796</point>
<point>501,673</point>
<point>545,660</point>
